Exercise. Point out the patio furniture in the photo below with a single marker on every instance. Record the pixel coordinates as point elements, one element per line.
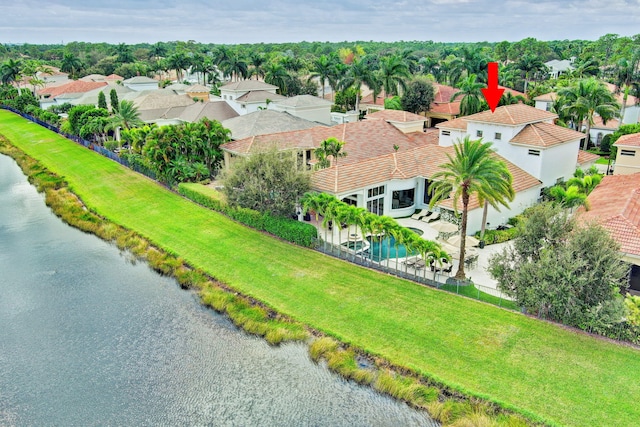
<point>434,217</point>
<point>420,264</point>
<point>469,240</point>
<point>421,214</point>
<point>411,261</point>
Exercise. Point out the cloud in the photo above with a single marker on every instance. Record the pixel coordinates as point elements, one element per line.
<point>245,21</point>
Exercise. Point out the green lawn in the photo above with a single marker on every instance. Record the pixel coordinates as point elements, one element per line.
<point>563,376</point>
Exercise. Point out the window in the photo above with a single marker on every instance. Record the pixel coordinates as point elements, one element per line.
<point>373,192</point>
<point>628,152</point>
<point>446,133</point>
<point>479,133</point>
<point>403,199</point>
<point>498,135</point>
<point>534,152</point>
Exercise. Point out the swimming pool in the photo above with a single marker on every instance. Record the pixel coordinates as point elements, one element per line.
<point>389,249</point>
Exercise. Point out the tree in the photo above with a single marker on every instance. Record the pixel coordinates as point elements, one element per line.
<point>586,99</point>
<point>392,74</point>
<point>71,64</point>
<point>530,64</point>
<point>329,147</point>
<point>11,72</point>
<point>113,100</point>
<point>266,181</point>
<point>561,271</point>
<point>472,98</point>
<point>357,74</point>
<point>472,170</point>
<point>325,70</point>
<point>126,117</point>
<point>570,197</point>
<point>418,96</point>
<point>235,66</point>
<point>178,61</point>
<point>102,100</point>
<point>124,54</point>
<point>276,75</point>
<point>257,61</point>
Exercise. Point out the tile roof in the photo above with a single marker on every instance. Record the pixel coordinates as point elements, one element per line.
<point>161,99</point>
<point>422,161</point>
<point>615,203</point>
<point>619,95</point>
<point>259,96</point>
<point>459,124</point>
<point>247,85</point>
<point>114,77</point>
<point>302,101</point>
<point>197,89</point>
<point>443,93</point>
<point>396,116</point>
<point>545,135</point>
<point>215,110</point>
<point>612,124</point>
<point>586,157</point>
<point>93,78</point>
<point>368,99</point>
<point>140,80</point>
<point>452,108</point>
<point>77,86</point>
<point>265,122</point>
<point>631,140</point>
<point>546,97</point>
<point>363,140</point>
<point>512,115</point>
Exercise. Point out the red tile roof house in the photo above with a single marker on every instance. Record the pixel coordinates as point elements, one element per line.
<point>615,204</point>
<point>58,95</point>
<point>387,170</point>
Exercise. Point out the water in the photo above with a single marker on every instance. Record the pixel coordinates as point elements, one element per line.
<point>87,339</point>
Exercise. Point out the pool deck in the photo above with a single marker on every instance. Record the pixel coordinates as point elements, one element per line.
<point>477,273</point>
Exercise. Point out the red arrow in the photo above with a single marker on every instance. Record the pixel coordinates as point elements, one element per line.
<point>492,94</point>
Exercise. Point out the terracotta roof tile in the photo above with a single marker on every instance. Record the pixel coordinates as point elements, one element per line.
<point>452,108</point>
<point>586,157</point>
<point>396,116</point>
<point>459,123</point>
<point>512,115</point>
<point>77,86</point>
<point>443,93</point>
<point>615,203</point>
<point>259,96</point>
<point>545,135</point>
<point>546,97</point>
<point>612,124</point>
<point>248,85</point>
<point>631,140</point>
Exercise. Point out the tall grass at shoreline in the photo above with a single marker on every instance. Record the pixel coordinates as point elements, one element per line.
<point>532,367</point>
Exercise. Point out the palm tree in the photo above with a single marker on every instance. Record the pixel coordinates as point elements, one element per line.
<point>123,52</point>
<point>586,183</point>
<point>472,97</point>
<point>587,98</point>
<point>179,61</point>
<point>329,147</point>
<point>357,74</point>
<point>508,98</point>
<point>392,73</point>
<point>324,69</point>
<point>235,67</point>
<point>276,75</point>
<point>71,64</point>
<point>570,197</point>
<point>530,65</point>
<point>11,71</point>
<point>126,117</point>
<point>257,61</point>
<point>472,170</point>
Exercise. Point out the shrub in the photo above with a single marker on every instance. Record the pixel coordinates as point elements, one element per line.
<point>498,236</point>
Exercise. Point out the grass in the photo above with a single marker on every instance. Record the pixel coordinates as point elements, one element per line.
<point>473,292</point>
<point>602,161</point>
<point>539,368</point>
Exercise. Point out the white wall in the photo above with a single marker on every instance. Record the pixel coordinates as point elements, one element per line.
<point>448,140</point>
<point>543,105</point>
<point>558,162</point>
<point>631,115</point>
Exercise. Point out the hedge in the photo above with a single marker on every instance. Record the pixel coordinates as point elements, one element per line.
<point>287,229</point>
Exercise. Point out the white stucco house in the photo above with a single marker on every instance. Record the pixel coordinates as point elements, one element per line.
<point>391,158</point>
<point>248,96</point>
<point>557,67</point>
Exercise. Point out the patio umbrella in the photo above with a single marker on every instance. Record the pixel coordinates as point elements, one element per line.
<point>443,227</point>
<point>469,241</point>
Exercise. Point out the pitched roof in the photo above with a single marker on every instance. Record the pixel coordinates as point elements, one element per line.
<point>546,97</point>
<point>91,97</point>
<point>598,123</point>
<point>161,99</point>
<point>512,115</point>
<point>215,110</point>
<point>619,95</point>
<point>248,85</point>
<point>197,89</point>
<point>77,86</point>
<point>395,116</point>
<point>302,101</point>
<point>545,135</point>
<point>458,124</point>
<point>114,77</point>
<point>452,108</point>
<point>615,203</point>
<point>586,157</point>
<point>265,122</point>
<point>93,78</point>
<point>363,140</point>
<point>259,96</point>
<point>443,93</point>
<point>424,160</point>
<point>140,80</point>
<point>631,140</point>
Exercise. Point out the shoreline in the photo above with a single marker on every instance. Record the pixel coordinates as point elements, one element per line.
<point>255,317</point>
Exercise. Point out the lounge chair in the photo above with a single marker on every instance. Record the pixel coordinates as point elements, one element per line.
<point>421,214</point>
<point>411,261</point>
<point>419,264</point>
<point>434,217</point>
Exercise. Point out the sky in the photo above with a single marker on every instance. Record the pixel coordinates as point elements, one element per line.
<point>276,21</point>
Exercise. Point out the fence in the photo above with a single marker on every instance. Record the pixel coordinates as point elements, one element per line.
<point>90,145</point>
<point>423,275</point>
